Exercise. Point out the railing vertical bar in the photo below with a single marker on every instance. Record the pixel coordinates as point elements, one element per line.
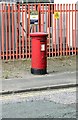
<point>75,29</point>
<point>61,29</point>
<point>35,25</point>
<point>58,46</point>
<point>16,33</point>
<point>20,42</point>
<point>18,29</point>
<point>29,29</point>
<point>6,33</point>
<point>49,26</point>
<point>15,41</point>
<point>0,30</point>
<point>13,30</point>
<point>26,30</point>
<point>9,21</point>
<point>72,32</point>
<point>69,28</point>
<point>51,31</point>
<point>42,18</point>
<point>23,30</point>
<point>39,17</point>
<point>46,24</point>
<point>46,18</point>
<point>66,29</point>
<point>55,33</point>
<point>52,28</point>
<point>19,36</point>
<point>14,46</point>
<point>3,31</point>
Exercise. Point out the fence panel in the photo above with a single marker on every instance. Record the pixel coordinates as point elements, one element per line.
<point>59,20</point>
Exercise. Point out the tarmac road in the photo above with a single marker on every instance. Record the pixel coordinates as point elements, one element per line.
<point>40,104</point>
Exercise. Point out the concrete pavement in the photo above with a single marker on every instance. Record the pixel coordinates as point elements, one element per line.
<point>39,82</point>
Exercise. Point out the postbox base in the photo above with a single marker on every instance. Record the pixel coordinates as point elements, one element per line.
<point>38,71</point>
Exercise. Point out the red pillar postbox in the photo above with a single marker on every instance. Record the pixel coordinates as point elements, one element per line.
<point>39,53</point>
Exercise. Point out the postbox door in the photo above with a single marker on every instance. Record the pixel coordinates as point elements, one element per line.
<point>43,54</point>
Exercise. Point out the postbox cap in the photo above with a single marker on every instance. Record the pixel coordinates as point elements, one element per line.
<point>40,34</point>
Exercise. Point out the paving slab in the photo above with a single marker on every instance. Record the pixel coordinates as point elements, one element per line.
<point>39,82</point>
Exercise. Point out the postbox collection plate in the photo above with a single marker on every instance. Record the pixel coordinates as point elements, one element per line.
<point>42,47</point>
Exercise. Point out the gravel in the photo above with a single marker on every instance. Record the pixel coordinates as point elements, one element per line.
<point>21,68</point>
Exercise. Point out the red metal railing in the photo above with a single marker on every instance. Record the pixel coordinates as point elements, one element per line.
<point>59,20</point>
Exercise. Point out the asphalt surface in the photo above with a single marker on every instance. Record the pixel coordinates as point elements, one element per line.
<point>38,82</point>
<point>40,104</point>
